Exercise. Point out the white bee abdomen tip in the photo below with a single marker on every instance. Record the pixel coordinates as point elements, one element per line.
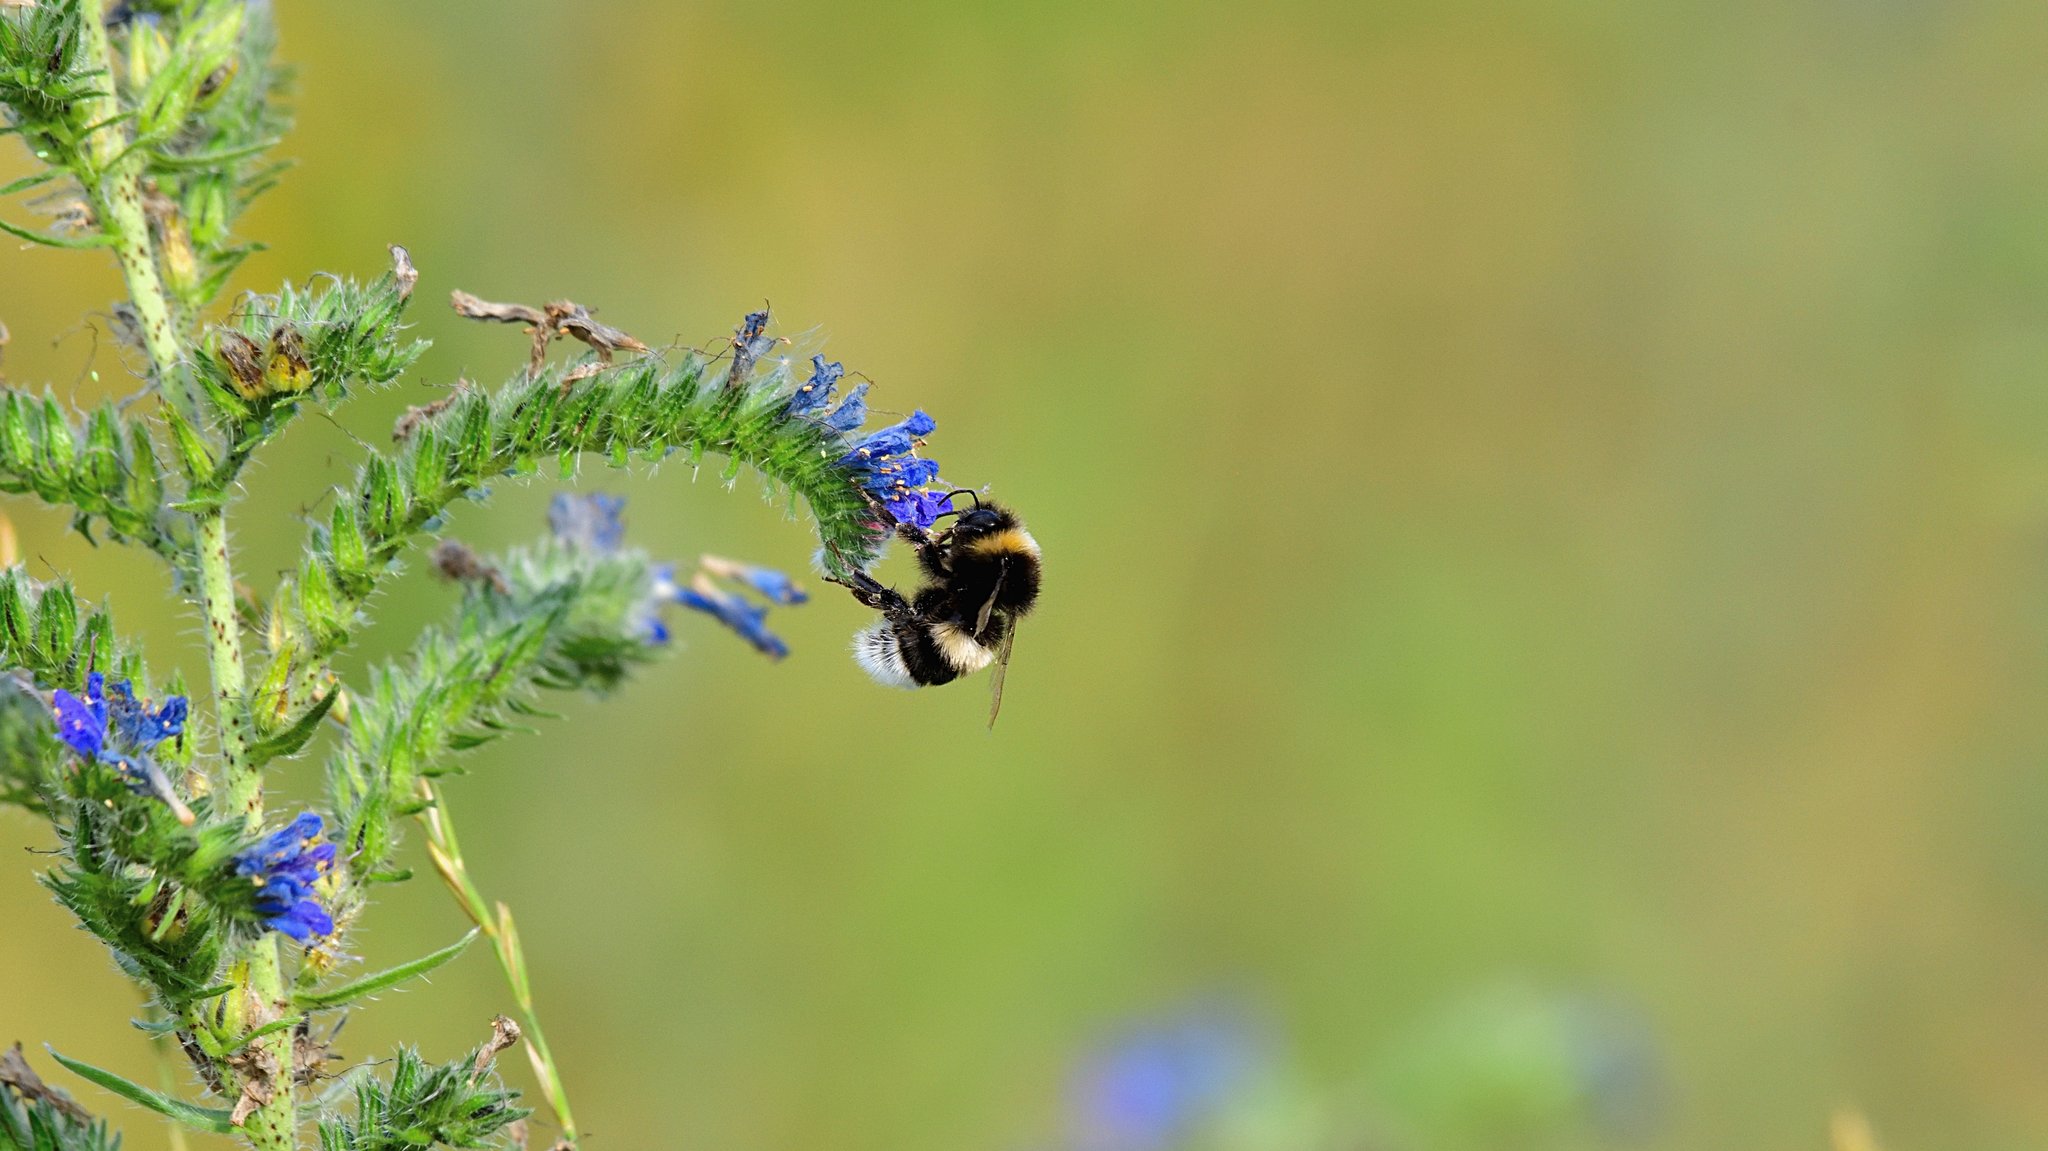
<point>876,651</point>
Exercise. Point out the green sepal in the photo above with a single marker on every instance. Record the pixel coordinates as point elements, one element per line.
<point>195,456</point>
<point>101,472</point>
<point>350,551</point>
<point>293,739</point>
<point>60,449</point>
<point>318,607</point>
<point>56,629</point>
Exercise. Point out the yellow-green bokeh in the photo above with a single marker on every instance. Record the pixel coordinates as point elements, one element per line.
<point>1549,490</point>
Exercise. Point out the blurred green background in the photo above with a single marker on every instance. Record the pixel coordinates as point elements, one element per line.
<point>1551,492</point>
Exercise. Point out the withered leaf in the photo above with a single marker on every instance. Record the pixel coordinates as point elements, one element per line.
<point>403,428</point>
<point>470,307</point>
<point>455,561</point>
<point>573,319</point>
<point>403,271</point>
<point>559,318</point>
<point>17,1074</point>
<point>504,1033</point>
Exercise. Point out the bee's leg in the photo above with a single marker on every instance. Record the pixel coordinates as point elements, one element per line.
<point>875,594</point>
<point>930,549</point>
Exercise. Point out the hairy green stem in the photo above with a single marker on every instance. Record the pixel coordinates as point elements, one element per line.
<point>244,782</point>
<point>112,181</point>
<point>115,187</point>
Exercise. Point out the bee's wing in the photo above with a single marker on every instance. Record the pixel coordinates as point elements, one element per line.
<point>981,619</point>
<point>995,701</point>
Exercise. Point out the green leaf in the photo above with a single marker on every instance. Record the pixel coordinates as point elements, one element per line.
<point>201,1118</point>
<point>270,1028</point>
<point>371,984</point>
<point>299,734</point>
<point>189,161</point>
<point>32,181</point>
<point>35,237</point>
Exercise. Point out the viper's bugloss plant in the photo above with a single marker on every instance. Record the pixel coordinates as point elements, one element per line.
<point>153,124</point>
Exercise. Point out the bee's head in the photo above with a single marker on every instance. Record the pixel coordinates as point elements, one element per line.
<point>980,519</point>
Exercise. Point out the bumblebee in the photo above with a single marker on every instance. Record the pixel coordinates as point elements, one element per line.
<point>983,576</point>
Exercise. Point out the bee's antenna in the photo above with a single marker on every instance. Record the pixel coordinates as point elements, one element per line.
<point>953,511</point>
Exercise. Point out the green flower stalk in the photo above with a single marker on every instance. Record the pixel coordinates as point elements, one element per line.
<point>152,121</point>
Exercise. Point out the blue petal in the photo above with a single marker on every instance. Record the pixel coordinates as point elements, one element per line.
<point>919,509</point>
<point>773,584</point>
<point>814,392</point>
<point>303,921</point>
<point>314,916</point>
<point>752,334</point>
<point>77,725</point>
<point>661,582</point>
<point>897,476</point>
<point>852,411</point>
<point>137,724</point>
<point>746,620</point>
<point>895,440</point>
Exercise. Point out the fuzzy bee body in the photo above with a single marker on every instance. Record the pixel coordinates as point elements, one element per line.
<point>984,575</point>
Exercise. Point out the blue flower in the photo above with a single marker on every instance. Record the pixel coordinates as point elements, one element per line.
<point>595,523</point>
<point>591,522</point>
<point>816,391</point>
<point>852,411</point>
<point>885,463</point>
<point>749,340</point>
<point>895,440</point>
<point>732,610</point>
<point>751,336</point>
<point>1148,1090</point>
<point>919,509</point>
<point>139,725</point>
<point>284,867</point>
<point>109,725</point>
<point>647,622</point>
<point>82,723</point>
<point>772,585</point>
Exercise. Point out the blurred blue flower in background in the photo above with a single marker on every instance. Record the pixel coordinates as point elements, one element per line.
<point>1504,1067</point>
<point>749,621</point>
<point>594,522</point>
<point>769,584</point>
<point>1147,1089</point>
